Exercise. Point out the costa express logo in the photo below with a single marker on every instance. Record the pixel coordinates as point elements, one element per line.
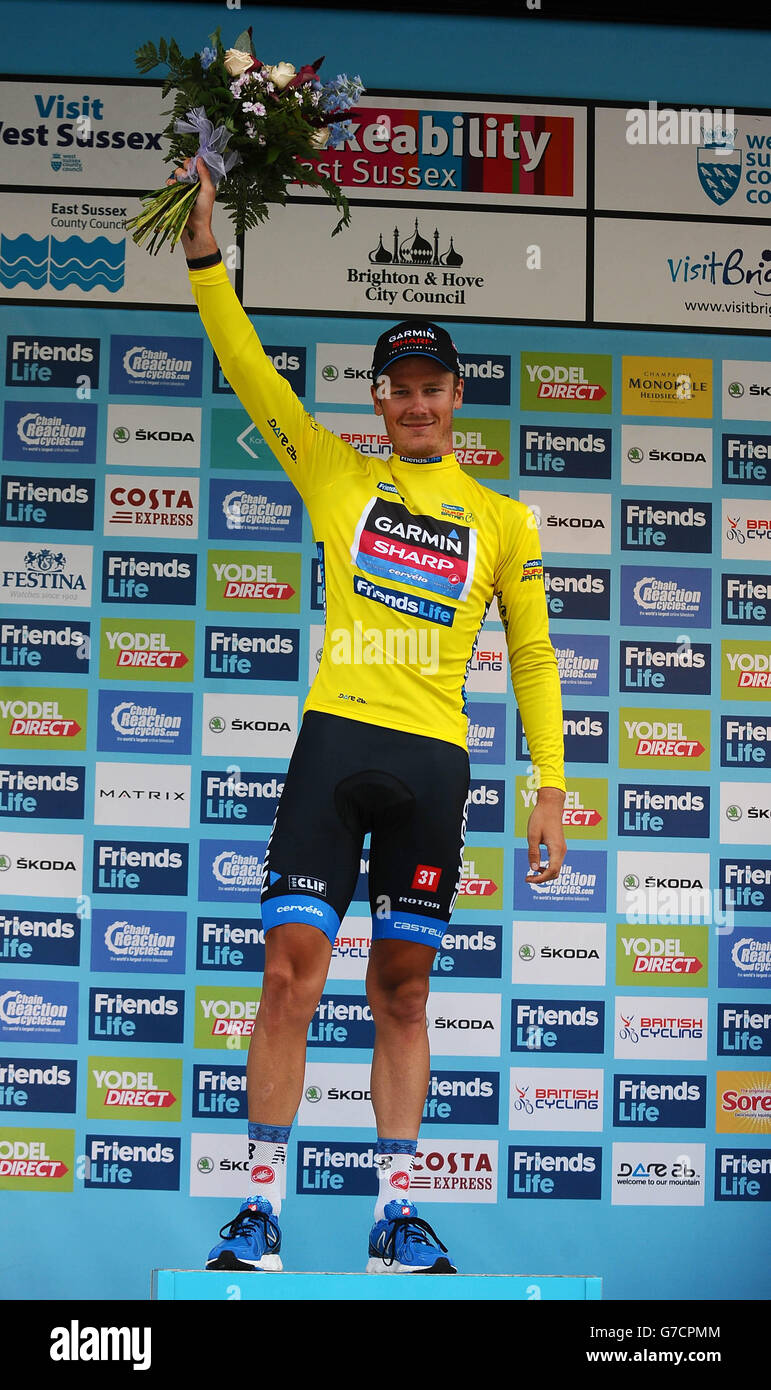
<point>224,1018</point>
<point>743,1102</point>
<point>253,580</point>
<point>585,810</point>
<point>648,957</point>
<point>162,650</point>
<point>45,719</point>
<point>143,506</point>
<point>145,1089</point>
<point>41,938</point>
<point>45,646</point>
<point>560,381</point>
<point>37,1160</point>
<point>677,386</point>
<point>746,670</point>
<point>398,545</point>
<point>667,738</point>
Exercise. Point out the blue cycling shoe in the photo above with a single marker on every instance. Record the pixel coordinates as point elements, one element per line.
<point>251,1240</point>
<point>403,1244</point>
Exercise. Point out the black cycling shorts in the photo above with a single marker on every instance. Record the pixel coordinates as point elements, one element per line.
<point>345,779</point>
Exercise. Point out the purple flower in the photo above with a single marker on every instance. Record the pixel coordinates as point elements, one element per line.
<point>339,132</point>
<point>207,56</point>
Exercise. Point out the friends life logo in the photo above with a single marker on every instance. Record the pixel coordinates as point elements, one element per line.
<point>38,1085</point>
<point>46,792</point>
<point>48,504</point>
<point>43,646</point>
<point>140,866</point>
<point>40,938</point>
<point>672,668</point>
<point>150,577</point>
<point>34,360</point>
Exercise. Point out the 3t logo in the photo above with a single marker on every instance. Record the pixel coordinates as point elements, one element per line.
<point>427,877</point>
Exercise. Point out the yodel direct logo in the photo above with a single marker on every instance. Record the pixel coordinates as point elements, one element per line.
<point>159,650</point>
<point>146,1089</point>
<point>41,1160</point>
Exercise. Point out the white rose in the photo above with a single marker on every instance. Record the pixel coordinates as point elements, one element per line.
<point>281,74</point>
<point>237,61</point>
<point>320,137</point>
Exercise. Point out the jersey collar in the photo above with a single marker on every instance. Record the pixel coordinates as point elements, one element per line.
<point>430,465</point>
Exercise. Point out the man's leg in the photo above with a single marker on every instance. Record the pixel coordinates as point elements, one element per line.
<point>297,960</point>
<point>397,990</point>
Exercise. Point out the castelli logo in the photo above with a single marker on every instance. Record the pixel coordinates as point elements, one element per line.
<point>400,1180</point>
<point>263,1174</point>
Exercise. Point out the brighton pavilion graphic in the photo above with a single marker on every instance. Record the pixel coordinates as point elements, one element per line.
<point>720,167</point>
<point>415,250</point>
<point>61,263</point>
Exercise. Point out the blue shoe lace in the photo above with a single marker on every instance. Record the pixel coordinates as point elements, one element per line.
<point>413,1228</point>
<point>246,1222</point>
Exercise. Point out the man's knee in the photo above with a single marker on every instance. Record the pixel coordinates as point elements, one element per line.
<point>401,1002</point>
<point>294,975</point>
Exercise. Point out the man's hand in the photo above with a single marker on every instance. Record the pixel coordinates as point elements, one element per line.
<point>197,238</point>
<point>545,828</point>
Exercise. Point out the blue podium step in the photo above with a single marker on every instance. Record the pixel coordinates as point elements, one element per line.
<point>183,1285</point>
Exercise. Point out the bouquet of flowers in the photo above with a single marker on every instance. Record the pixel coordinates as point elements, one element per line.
<point>255,125</point>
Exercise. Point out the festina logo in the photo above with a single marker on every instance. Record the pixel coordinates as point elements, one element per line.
<point>76,1343</point>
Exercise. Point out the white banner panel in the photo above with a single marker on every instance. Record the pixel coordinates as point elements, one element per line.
<point>392,263</point>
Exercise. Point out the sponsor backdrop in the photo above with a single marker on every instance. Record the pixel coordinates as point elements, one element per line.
<point>599,1043</point>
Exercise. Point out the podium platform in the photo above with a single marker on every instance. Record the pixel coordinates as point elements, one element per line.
<point>191,1285</point>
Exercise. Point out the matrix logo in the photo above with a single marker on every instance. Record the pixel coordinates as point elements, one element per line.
<point>660,1101</point>
<point>745,600</point>
<point>144,722</point>
<point>745,739</point>
<point>677,386</point>
<point>45,646</point>
<point>558,953</point>
<point>486,734</point>
<point>30,502</point>
<point>585,811</point>
<point>219,1090</point>
<point>42,939</point>
<point>146,942</point>
<point>48,792</point>
<point>37,1084</point>
<point>667,738</point>
<point>230,871</point>
<point>666,1027</point>
<point>545,1098</point>
<point>659,596</point>
<point>548,1171</point>
<point>152,577</point>
<point>37,1160</point>
<point>146,794</point>
<point>140,866</point>
<point>34,1011</point>
<point>230,943</point>
<point>557,1025</point>
<point>743,1102</point>
<point>682,668</point>
<point>583,664</point>
<point>667,810</point>
<point>743,1175</point>
<point>53,719</point>
<point>126,1160</point>
<point>745,669</point>
<point>671,526</point>
<point>645,956</point>
<point>580,886</point>
<point>260,511</point>
<point>744,958</point>
<point>743,1030</point>
<point>665,456</point>
<point>658,1174</point>
<point>252,653</point>
<point>579,593</point>
<point>163,650</point>
<point>135,1015</point>
<point>562,382</point>
<point>144,1089</point>
<point>57,576</point>
<point>225,1018</point>
<point>583,453</point>
<point>745,459</point>
<point>49,433</point>
<point>40,361</point>
<point>248,581</point>
<point>153,366</point>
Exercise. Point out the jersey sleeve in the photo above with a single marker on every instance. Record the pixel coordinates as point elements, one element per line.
<point>311,456</point>
<point>519,589</point>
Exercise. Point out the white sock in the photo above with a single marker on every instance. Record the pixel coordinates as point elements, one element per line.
<point>393,1160</point>
<point>267,1163</point>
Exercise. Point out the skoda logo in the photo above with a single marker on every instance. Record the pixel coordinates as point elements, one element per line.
<point>313,1093</point>
<point>733,812</point>
<point>526,952</point>
<point>330,373</point>
<point>217,725</point>
<point>121,435</point>
<point>5,862</point>
<point>205,1165</point>
<point>735,389</point>
<point>635,455</point>
<point>631,881</point>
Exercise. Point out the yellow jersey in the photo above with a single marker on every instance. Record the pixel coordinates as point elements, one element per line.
<point>413,553</point>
